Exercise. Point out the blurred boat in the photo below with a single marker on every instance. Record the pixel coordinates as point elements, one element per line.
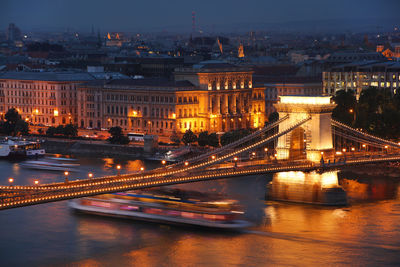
<point>51,164</point>
<point>166,206</point>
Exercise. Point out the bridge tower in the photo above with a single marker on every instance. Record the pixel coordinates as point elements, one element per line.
<point>311,140</point>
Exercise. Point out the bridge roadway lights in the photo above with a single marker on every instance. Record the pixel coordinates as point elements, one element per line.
<point>114,185</point>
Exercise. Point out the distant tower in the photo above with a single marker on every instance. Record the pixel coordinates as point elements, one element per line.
<point>366,41</point>
<point>13,33</point>
<point>241,51</point>
<point>220,46</point>
<point>193,22</point>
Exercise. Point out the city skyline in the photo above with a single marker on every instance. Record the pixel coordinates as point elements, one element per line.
<point>210,16</point>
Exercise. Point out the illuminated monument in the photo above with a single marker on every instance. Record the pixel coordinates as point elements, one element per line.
<point>314,138</point>
<point>311,141</point>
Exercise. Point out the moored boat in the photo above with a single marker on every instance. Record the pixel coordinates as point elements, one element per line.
<point>173,206</point>
<point>20,148</point>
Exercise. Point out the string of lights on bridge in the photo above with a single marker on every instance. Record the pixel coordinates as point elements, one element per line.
<point>29,195</point>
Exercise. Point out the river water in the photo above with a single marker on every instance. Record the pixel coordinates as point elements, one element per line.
<point>365,233</point>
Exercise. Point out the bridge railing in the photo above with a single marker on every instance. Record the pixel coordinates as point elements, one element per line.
<point>26,198</point>
<point>233,144</point>
<point>365,135</point>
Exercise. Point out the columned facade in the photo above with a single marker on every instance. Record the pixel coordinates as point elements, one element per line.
<point>233,101</point>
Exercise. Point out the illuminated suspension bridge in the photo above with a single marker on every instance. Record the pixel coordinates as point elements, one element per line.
<point>306,139</point>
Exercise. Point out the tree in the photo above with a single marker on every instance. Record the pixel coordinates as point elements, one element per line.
<point>346,106</point>
<point>21,127</point>
<point>115,131</point>
<point>226,138</point>
<point>70,130</point>
<point>273,117</point>
<point>117,137</point>
<point>175,138</point>
<point>230,137</point>
<point>189,137</point>
<point>213,140</point>
<point>202,140</point>
<point>12,117</point>
<point>60,130</point>
<point>51,131</point>
<point>40,131</point>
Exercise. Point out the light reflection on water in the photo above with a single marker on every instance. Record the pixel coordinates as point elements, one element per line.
<point>365,233</point>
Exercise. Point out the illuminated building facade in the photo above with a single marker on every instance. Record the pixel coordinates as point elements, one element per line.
<point>136,105</point>
<point>114,39</point>
<point>391,53</point>
<point>359,76</point>
<point>232,101</point>
<point>43,98</point>
<point>214,97</point>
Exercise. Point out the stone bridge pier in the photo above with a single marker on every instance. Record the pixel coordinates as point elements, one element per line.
<point>312,139</point>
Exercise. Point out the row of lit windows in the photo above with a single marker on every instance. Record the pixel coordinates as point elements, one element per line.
<point>229,84</point>
<point>30,101</point>
<point>30,94</point>
<point>118,110</point>
<point>187,99</point>
<point>34,111</point>
<point>28,86</point>
<point>139,123</point>
<point>349,75</point>
<point>188,125</point>
<point>187,113</point>
<point>140,98</point>
<point>366,84</point>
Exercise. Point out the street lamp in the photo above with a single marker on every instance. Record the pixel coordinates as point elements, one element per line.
<point>66,176</point>
<point>11,180</point>
<point>344,149</point>
<point>142,168</point>
<point>119,169</point>
<point>186,163</point>
<point>266,149</point>
<point>36,182</point>
<point>213,157</point>
<point>90,175</point>
<point>235,159</point>
<point>163,162</point>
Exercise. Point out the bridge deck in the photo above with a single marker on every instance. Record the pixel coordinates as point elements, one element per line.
<point>19,196</point>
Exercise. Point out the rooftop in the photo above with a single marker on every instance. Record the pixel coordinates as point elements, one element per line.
<point>148,84</point>
<point>214,66</point>
<point>308,100</point>
<point>56,76</point>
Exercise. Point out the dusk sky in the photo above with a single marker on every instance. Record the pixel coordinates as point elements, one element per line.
<point>175,15</point>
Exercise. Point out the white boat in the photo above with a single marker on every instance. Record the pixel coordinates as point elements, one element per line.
<point>176,155</point>
<point>164,207</point>
<point>51,165</point>
<point>14,147</point>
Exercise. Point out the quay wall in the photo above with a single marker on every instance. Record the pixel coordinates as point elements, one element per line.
<point>87,148</point>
